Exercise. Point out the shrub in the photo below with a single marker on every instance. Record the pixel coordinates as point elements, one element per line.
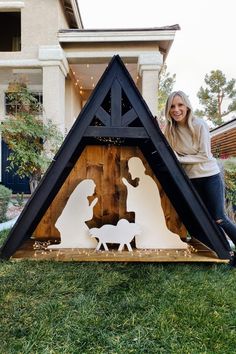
<point>5,196</point>
<point>3,236</point>
<point>230,183</point>
<point>32,141</point>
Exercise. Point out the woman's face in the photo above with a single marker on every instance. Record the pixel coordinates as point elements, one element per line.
<point>178,110</point>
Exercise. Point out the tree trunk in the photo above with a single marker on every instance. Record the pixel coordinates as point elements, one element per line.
<point>33,183</point>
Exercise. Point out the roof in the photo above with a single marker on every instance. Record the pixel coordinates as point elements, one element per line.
<point>147,29</point>
<point>72,13</point>
<point>104,116</point>
<point>161,38</point>
<point>223,127</point>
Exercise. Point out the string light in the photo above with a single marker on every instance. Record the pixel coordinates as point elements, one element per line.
<point>41,250</point>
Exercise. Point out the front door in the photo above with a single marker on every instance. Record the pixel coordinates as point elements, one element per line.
<point>9,178</point>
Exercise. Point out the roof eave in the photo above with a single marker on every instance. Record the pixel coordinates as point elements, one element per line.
<point>108,35</point>
<point>223,128</point>
<point>124,35</point>
<point>162,36</point>
<point>72,13</point>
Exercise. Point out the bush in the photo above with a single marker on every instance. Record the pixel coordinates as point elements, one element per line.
<point>230,184</point>
<point>3,236</point>
<point>5,196</point>
<point>32,141</point>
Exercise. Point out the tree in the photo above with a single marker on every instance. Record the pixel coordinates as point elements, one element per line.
<point>218,98</point>
<point>165,87</point>
<point>32,141</point>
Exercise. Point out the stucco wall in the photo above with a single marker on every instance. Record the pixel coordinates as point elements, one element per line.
<point>40,22</point>
<point>72,104</point>
<point>116,47</point>
<point>62,22</point>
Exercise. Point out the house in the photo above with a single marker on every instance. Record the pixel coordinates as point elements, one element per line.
<point>223,139</point>
<point>45,43</point>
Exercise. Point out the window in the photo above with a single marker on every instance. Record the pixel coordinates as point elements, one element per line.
<point>10,31</point>
<point>12,106</point>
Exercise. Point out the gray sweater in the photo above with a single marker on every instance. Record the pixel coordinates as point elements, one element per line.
<point>196,159</point>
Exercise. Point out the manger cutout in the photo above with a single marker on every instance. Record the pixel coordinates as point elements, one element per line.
<point>122,234</point>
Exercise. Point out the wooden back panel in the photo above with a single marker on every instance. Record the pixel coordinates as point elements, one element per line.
<point>106,165</point>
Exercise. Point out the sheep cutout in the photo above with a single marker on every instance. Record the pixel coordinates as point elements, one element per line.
<point>122,233</point>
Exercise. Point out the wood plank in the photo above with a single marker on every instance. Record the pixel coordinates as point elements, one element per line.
<point>91,255</point>
<point>126,132</point>
<point>224,143</point>
<point>95,171</point>
<point>128,117</point>
<point>116,103</point>
<point>103,116</point>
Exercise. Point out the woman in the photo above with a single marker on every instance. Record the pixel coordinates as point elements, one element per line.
<point>190,139</point>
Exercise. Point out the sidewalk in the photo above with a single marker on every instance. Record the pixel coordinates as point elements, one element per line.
<point>13,213</point>
<point>8,224</point>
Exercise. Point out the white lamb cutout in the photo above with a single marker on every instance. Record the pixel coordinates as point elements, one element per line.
<point>72,221</point>
<point>122,233</point>
<point>145,201</point>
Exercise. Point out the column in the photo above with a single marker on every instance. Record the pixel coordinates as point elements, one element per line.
<point>149,65</point>
<point>55,69</point>
<point>54,95</point>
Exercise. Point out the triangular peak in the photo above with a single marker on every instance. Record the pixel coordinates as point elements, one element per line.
<point>116,111</point>
<point>116,115</point>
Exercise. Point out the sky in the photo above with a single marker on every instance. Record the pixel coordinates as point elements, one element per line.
<point>205,42</point>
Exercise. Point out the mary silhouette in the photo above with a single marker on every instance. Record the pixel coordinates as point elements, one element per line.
<point>71,223</point>
<point>145,201</point>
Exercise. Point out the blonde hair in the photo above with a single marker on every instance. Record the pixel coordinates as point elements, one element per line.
<point>171,124</point>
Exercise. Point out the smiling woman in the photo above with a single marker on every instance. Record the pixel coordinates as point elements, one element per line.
<point>190,139</point>
<point>178,110</point>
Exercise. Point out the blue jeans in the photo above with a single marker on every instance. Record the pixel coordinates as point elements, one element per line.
<point>211,191</point>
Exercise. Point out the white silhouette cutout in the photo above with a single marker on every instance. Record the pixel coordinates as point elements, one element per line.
<point>145,201</point>
<point>122,233</point>
<point>71,223</point>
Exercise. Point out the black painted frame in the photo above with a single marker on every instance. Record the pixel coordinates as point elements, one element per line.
<point>146,135</point>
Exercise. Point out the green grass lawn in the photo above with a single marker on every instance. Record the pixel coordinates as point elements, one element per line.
<point>50,307</point>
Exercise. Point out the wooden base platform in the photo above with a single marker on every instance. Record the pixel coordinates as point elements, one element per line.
<point>37,251</point>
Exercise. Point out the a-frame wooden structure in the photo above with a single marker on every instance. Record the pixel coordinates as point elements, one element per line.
<point>115,112</point>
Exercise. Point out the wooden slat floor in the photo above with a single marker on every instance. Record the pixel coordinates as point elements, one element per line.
<point>199,254</point>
